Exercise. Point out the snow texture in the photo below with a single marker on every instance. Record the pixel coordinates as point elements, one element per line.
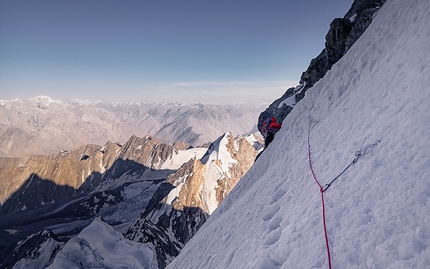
<point>378,211</point>
<point>100,246</point>
<point>183,156</point>
<point>291,101</point>
<point>42,256</point>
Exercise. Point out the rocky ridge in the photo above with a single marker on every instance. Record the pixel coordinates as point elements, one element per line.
<point>340,37</point>
<point>166,192</point>
<point>69,173</point>
<point>195,191</point>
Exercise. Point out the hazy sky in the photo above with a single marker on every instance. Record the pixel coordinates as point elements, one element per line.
<point>160,50</point>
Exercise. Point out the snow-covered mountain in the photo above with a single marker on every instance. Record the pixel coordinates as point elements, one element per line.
<point>199,187</point>
<point>48,200</point>
<point>45,126</point>
<point>378,211</point>
<point>365,125</point>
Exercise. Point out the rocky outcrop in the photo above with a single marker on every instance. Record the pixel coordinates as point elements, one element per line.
<point>335,48</point>
<point>36,251</point>
<point>191,195</point>
<point>341,36</point>
<point>361,13</point>
<point>37,180</point>
<point>75,186</point>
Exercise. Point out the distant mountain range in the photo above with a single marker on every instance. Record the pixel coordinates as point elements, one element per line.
<point>41,125</point>
<point>57,179</point>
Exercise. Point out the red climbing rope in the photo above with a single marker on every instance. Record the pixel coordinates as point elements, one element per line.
<point>322,198</point>
<point>358,154</point>
<point>325,229</point>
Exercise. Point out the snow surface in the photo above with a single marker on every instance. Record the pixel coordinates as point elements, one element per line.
<point>99,240</point>
<point>42,256</point>
<point>378,211</point>
<point>216,171</point>
<point>181,157</point>
<point>291,101</point>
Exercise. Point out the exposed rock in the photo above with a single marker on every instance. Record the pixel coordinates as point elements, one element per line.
<point>277,110</point>
<point>361,14</point>
<point>181,145</point>
<point>31,180</point>
<point>242,151</point>
<point>71,188</point>
<point>192,176</point>
<point>51,178</point>
<point>165,248</point>
<point>190,196</point>
<point>336,38</point>
<point>38,250</point>
<point>341,36</point>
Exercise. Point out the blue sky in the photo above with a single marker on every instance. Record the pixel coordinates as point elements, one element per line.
<point>190,51</point>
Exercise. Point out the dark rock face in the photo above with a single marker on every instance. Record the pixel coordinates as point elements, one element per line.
<point>166,228</point>
<point>316,70</point>
<point>164,247</point>
<point>40,247</point>
<point>335,48</point>
<point>360,6</point>
<point>275,111</point>
<point>363,10</point>
<point>336,37</point>
<point>341,36</point>
<point>343,33</point>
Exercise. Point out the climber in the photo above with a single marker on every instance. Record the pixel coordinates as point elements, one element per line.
<point>269,129</point>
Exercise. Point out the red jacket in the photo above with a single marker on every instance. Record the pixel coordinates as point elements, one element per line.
<point>273,126</point>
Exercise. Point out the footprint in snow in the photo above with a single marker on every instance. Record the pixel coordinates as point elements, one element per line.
<point>272,238</point>
<point>277,195</point>
<point>271,212</point>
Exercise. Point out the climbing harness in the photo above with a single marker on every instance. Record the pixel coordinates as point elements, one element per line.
<point>358,154</point>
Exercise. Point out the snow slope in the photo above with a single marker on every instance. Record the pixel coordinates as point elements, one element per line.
<point>99,240</point>
<point>378,211</point>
